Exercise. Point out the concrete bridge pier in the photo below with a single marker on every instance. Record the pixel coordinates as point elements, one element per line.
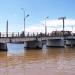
<point>70,42</point>
<point>3,47</point>
<point>33,44</point>
<point>55,43</point>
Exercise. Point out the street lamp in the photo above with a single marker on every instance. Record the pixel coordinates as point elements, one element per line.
<point>25,16</point>
<point>72,28</point>
<point>7,28</point>
<point>46,25</point>
<point>62,18</point>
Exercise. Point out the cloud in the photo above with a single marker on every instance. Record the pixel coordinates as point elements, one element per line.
<point>35,28</point>
<point>56,22</point>
<point>52,25</point>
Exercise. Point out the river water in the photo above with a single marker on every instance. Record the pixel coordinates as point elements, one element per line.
<point>46,61</point>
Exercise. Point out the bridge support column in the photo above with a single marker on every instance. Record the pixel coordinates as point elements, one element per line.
<point>55,43</point>
<point>3,47</point>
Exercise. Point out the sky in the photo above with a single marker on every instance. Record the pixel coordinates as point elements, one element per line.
<point>38,10</point>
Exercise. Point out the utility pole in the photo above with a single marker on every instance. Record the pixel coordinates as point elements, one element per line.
<point>46,26</point>
<point>25,16</point>
<point>7,28</point>
<point>62,18</point>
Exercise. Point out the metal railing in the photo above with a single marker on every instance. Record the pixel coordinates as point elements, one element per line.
<point>18,34</point>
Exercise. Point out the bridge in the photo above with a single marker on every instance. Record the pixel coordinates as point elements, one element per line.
<point>50,40</point>
<point>23,39</point>
<point>17,38</point>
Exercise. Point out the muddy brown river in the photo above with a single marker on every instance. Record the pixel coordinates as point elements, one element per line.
<point>46,61</point>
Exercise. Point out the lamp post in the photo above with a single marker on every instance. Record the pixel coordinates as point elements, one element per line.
<point>46,25</point>
<point>72,30</point>
<point>62,18</point>
<point>7,28</point>
<point>25,16</point>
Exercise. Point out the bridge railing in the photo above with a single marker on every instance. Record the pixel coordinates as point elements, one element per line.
<point>18,34</point>
<point>9,34</point>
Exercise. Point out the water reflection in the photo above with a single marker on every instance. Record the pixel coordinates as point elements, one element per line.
<point>15,49</point>
<point>47,61</point>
